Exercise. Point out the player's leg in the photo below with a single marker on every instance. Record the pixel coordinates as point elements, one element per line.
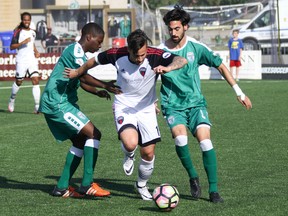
<point>62,130</point>
<point>202,133</point>
<point>237,70</point>
<point>149,135</point>
<point>177,122</point>
<point>36,92</point>
<point>91,147</point>
<point>20,74</point>
<point>126,125</point>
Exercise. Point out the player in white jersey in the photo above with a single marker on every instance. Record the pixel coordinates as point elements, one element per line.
<point>26,62</point>
<point>137,67</point>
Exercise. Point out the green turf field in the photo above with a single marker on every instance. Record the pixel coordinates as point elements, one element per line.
<point>251,147</point>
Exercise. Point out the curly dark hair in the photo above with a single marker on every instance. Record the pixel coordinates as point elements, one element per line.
<point>177,14</point>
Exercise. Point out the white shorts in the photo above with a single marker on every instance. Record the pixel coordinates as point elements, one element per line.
<point>144,121</point>
<point>27,70</point>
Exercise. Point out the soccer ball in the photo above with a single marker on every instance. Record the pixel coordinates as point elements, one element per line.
<point>166,197</point>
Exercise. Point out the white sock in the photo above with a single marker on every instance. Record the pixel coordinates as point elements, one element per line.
<point>36,94</point>
<point>145,171</point>
<point>15,89</point>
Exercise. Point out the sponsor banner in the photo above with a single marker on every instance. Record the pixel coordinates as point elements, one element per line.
<point>46,63</point>
<point>274,71</point>
<point>250,69</point>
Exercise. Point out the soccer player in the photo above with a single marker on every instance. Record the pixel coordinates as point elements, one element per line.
<point>183,103</point>
<point>26,62</point>
<point>134,111</point>
<point>66,121</point>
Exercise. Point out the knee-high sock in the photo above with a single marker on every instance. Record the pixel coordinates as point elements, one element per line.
<point>36,94</point>
<point>210,164</point>
<point>73,159</point>
<point>145,171</point>
<point>14,91</point>
<point>182,150</point>
<point>90,158</point>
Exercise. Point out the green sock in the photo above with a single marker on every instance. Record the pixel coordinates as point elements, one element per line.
<point>210,165</point>
<point>71,164</point>
<point>90,158</point>
<point>184,155</point>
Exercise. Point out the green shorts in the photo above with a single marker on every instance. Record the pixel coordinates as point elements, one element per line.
<point>191,117</point>
<point>66,123</point>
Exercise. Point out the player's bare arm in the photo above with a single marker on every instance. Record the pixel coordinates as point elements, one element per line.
<point>72,73</point>
<point>95,91</point>
<point>178,62</point>
<point>109,86</point>
<point>242,98</point>
<point>17,45</point>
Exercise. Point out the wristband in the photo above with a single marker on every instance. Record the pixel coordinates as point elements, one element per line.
<point>238,92</point>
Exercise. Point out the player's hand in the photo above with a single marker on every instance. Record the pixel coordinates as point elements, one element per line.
<point>246,102</point>
<point>27,40</point>
<point>109,86</point>
<point>37,54</point>
<point>103,94</point>
<point>157,110</point>
<point>70,73</point>
<point>161,69</point>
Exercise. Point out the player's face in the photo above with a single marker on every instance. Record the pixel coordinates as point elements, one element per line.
<point>177,31</point>
<point>95,43</point>
<point>139,57</point>
<point>26,21</point>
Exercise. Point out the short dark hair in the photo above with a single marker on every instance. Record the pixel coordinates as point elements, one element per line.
<point>177,14</point>
<point>92,28</point>
<point>25,14</point>
<point>137,39</point>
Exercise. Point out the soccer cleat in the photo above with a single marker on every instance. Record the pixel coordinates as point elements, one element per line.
<point>11,105</point>
<point>215,197</point>
<point>36,109</point>
<point>93,190</point>
<point>70,192</point>
<point>128,164</point>
<point>144,192</point>
<point>195,188</point>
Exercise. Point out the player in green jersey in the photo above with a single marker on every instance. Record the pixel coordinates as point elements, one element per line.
<point>66,121</point>
<point>183,104</point>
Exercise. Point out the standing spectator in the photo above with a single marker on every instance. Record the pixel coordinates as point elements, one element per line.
<point>26,62</point>
<point>235,46</point>
<point>184,105</point>
<point>51,41</point>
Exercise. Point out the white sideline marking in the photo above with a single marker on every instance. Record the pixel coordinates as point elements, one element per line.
<point>26,86</point>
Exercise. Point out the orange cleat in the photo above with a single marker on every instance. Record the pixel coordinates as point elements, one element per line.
<point>94,190</point>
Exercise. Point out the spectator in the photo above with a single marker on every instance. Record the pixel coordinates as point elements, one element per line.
<point>51,41</point>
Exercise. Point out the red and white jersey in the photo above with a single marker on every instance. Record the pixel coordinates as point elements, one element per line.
<point>26,51</point>
<point>137,82</point>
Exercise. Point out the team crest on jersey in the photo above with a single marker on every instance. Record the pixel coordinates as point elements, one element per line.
<point>142,71</point>
<point>190,56</point>
<point>166,55</point>
<point>120,119</point>
<point>81,115</point>
<point>122,70</point>
<point>171,120</point>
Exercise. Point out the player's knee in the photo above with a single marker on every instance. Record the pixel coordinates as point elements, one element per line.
<point>181,140</point>
<point>206,145</point>
<point>97,134</point>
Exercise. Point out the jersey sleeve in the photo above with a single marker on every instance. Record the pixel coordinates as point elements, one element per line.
<point>15,37</point>
<point>159,57</point>
<point>208,57</point>
<point>106,57</point>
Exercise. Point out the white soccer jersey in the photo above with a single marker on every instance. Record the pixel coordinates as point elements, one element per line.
<point>137,82</point>
<point>26,51</point>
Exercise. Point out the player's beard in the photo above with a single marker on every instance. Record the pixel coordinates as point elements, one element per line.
<point>178,39</point>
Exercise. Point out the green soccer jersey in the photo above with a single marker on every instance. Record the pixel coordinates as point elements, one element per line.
<point>60,91</point>
<point>181,89</point>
